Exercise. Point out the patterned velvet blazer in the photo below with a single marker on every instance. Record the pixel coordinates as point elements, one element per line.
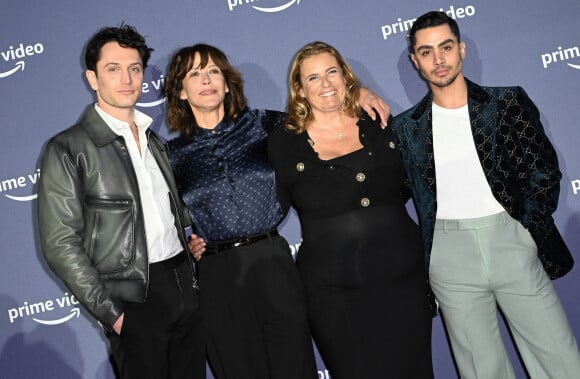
<point>518,160</point>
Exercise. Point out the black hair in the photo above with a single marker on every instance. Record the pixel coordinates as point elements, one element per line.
<point>126,35</point>
<point>430,19</point>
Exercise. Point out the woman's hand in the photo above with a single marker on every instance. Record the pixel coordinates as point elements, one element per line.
<point>373,105</point>
<point>196,246</point>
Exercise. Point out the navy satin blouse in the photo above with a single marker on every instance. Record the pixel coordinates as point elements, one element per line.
<point>225,177</point>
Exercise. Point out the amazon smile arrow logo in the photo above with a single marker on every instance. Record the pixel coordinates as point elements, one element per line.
<point>19,66</point>
<point>272,9</point>
<point>278,8</point>
<point>152,103</point>
<point>73,312</point>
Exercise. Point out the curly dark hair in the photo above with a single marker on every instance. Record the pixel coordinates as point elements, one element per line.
<point>180,117</point>
<point>126,35</point>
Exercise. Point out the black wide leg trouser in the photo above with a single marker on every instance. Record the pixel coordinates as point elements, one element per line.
<point>162,337</point>
<point>254,313</point>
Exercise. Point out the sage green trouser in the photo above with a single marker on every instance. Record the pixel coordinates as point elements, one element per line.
<point>479,264</point>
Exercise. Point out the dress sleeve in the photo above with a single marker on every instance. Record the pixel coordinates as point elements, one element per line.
<point>276,142</point>
<point>273,120</point>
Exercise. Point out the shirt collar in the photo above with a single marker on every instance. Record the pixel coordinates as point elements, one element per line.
<point>139,118</point>
<point>225,125</point>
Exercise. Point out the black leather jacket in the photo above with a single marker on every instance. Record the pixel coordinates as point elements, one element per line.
<point>90,217</point>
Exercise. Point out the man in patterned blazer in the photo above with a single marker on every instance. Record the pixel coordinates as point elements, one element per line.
<point>485,181</point>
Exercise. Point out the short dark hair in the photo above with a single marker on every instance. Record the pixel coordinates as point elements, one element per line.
<point>126,35</point>
<point>431,19</point>
<point>180,117</point>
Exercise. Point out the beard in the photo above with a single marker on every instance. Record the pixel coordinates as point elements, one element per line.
<point>444,82</point>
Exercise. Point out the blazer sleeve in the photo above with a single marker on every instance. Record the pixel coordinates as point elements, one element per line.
<point>541,197</point>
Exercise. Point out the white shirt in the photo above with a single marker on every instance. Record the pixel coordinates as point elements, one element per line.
<point>462,189</point>
<point>161,234</point>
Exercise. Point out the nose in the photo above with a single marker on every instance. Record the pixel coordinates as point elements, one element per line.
<point>126,77</point>
<point>324,81</point>
<point>438,57</point>
<point>205,78</point>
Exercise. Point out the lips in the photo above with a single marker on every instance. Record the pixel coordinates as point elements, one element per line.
<point>442,71</point>
<point>328,93</point>
<point>208,92</point>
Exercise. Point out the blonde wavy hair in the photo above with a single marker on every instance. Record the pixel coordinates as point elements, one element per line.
<point>299,110</point>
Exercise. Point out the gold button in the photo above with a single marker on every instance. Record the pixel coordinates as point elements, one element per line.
<point>392,145</point>
<point>300,167</point>
<point>360,177</point>
<point>365,202</point>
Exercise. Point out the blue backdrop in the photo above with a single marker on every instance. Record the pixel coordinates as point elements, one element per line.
<point>43,332</point>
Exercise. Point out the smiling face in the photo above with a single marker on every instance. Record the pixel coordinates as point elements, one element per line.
<point>204,88</point>
<point>438,55</point>
<point>117,80</point>
<point>322,83</point>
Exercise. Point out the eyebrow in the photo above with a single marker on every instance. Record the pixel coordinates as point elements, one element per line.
<point>119,64</point>
<point>448,40</point>
<point>324,71</point>
<point>198,67</point>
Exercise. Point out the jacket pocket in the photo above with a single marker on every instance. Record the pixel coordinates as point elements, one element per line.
<point>110,234</point>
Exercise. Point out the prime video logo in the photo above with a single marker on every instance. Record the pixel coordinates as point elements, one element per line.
<point>152,89</point>
<point>17,54</point>
<point>267,9</point>
<point>14,184</point>
<point>561,55</point>
<point>40,312</point>
<point>576,186</point>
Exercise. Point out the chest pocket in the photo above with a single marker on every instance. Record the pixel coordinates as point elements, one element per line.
<point>110,234</point>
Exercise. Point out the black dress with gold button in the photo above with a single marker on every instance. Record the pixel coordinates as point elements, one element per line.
<point>361,257</point>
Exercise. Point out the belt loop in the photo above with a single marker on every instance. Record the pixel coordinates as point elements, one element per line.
<point>445,227</point>
<point>505,219</point>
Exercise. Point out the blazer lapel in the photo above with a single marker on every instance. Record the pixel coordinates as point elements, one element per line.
<point>483,118</point>
<point>419,131</point>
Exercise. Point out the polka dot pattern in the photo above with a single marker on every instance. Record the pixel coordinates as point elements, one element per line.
<point>225,177</point>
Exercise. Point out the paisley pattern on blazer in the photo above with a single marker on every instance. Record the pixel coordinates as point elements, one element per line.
<point>518,160</point>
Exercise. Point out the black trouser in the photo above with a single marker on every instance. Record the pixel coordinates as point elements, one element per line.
<point>254,313</point>
<point>162,337</point>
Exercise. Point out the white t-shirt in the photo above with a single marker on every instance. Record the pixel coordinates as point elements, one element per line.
<point>462,189</point>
